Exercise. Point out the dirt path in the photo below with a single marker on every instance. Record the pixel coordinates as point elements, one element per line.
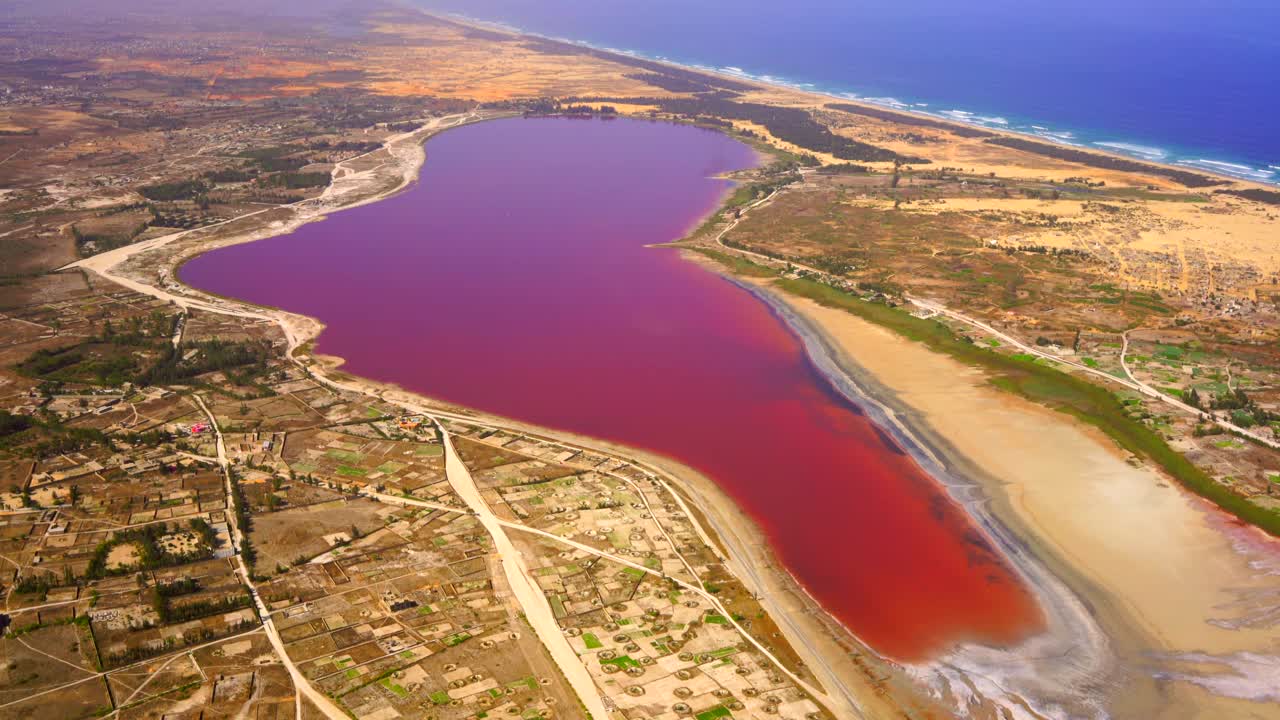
<point>300,683</point>
<point>530,596</point>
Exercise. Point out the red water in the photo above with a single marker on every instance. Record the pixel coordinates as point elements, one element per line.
<point>514,278</point>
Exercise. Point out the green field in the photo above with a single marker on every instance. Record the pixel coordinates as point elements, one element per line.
<point>456,639</point>
<point>391,685</point>
<point>622,663</point>
<point>714,713</point>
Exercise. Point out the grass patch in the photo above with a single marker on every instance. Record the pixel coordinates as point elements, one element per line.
<point>737,263</point>
<point>1048,386</point>
<point>395,688</point>
<point>593,642</point>
<point>456,639</point>
<point>622,663</point>
<point>714,713</point>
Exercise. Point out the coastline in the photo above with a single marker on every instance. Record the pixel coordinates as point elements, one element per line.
<point>1114,148</point>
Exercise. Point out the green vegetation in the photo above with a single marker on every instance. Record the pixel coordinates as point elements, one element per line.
<point>394,687</point>
<point>181,190</point>
<point>150,554</point>
<point>593,642</point>
<point>179,366</point>
<point>456,639</point>
<point>91,363</point>
<point>714,713</point>
<point>1053,388</point>
<point>281,164</point>
<point>268,153</point>
<point>737,263</point>
<point>46,435</point>
<point>107,241</point>
<point>11,424</point>
<point>296,180</point>
<point>622,663</point>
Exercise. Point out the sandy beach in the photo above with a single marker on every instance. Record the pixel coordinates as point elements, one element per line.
<point>1182,591</point>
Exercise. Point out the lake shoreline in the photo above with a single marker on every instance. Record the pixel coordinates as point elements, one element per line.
<point>734,522</point>
<point>853,676</point>
<point>1129,615</point>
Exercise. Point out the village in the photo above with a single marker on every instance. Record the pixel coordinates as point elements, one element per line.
<point>128,543</point>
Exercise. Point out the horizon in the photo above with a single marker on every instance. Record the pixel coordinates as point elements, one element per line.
<point>1168,78</point>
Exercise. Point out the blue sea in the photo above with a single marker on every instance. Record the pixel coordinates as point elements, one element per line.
<point>1192,82</point>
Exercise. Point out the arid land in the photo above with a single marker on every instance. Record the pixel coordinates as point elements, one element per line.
<point>337,566</point>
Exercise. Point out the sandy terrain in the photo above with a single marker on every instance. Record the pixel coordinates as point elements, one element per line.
<point>1169,577</point>
<point>1133,570</point>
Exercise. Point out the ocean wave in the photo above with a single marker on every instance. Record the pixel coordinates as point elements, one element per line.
<point>1143,151</point>
<point>1062,137</point>
<point>1229,168</point>
<point>889,101</point>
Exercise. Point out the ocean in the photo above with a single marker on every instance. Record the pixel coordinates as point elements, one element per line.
<point>1187,82</point>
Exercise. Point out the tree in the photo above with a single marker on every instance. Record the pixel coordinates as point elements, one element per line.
<point>1193,398</point>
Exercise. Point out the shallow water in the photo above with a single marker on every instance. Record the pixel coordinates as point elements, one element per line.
<point>515,278</point>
